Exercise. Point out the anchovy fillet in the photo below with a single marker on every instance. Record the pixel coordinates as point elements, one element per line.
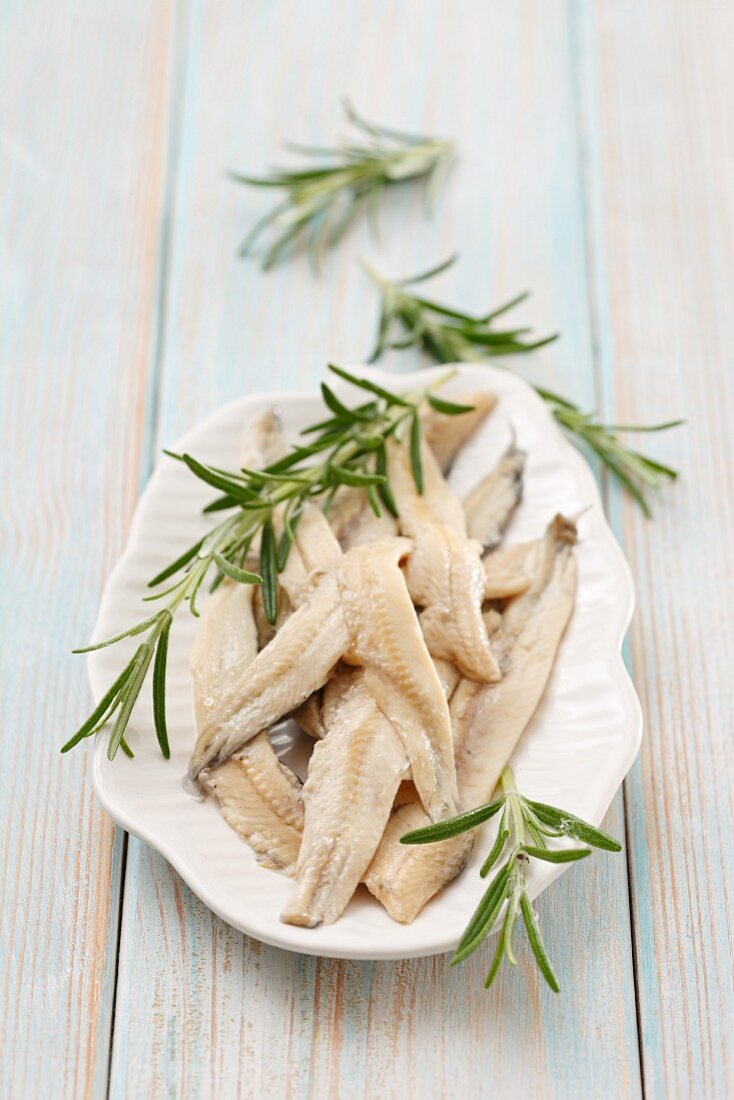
<point>507,571</point>
<point>360,611</point>
<point>488,721</point>
<point>258,796</point>
<point>490,504</point>
<point>353,775</point>
<point>446,435</point>
<point>294,664</point>
<point>399,672</point>
<point>445,573</point>
<point>314,552</point>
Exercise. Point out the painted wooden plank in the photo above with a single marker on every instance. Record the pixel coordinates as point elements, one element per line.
<point>84,107</point>
<point>201,1010</point>
<point>663,194</point>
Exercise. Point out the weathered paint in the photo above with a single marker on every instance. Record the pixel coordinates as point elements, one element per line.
<point>595,146</point>
<point>290,1026</point>
<point>84,100</point>
<point>662,160</point>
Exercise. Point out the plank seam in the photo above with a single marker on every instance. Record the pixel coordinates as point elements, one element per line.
<point>591,229</point>
<point>116,969</point>
<point>633,937</point>
<point>173,155</point>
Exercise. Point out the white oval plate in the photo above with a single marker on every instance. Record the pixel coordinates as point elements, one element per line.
<point>575,753</point>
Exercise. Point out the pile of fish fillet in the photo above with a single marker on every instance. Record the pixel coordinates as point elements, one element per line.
<point>413,651</point>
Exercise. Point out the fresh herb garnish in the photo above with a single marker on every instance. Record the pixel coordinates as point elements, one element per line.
<point>635,471</point>
<point>524,830</point>
<point>450,336</point>
<point>321,201</point>
<point>346,448</point>
<point>407,320</point>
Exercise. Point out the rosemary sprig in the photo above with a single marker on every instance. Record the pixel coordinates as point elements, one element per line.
<point>524,831</point>
<point>635,471</point>
<point>450,336</point>
<point>346,448</point>
<point>320,202</point>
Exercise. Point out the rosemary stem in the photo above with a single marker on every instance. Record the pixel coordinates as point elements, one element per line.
<point>375,276</point>
<point>507,781</point>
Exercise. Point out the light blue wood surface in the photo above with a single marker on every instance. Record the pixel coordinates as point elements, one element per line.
<point>595,168</point>
<point>84,103</point>
<point>233,328</point>
<point>661,163</point>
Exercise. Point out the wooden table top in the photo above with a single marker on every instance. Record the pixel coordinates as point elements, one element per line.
<point>596,167</point>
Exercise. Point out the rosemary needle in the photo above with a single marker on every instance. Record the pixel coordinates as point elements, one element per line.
<point>345,448</point>
<point>319,202</point>
<point>449,335</point>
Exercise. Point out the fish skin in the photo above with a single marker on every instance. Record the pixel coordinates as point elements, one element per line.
<point>354,523</point>
<point>445,574</point>
<point>399,671</point>
<point>489,506</point>
<point>488,721</point>
<point>446,435</point>
<point>353,776</point>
